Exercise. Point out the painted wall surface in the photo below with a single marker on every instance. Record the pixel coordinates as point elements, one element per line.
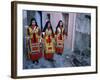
<point>71,30</point>
<point>54,18</point>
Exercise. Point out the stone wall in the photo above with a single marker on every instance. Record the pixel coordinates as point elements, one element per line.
<point>83,31</point>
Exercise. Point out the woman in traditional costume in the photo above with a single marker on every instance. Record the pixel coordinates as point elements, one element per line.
<point>33,41</point>
<point>59,38</point>
<point>49,48</point>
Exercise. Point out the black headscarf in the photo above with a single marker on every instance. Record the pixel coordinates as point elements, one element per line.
<point>46,26</point>
<point>58,25</point>
<point>33,19</point>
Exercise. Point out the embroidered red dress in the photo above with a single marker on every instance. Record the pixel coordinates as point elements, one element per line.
<point>59,40</point>
<point>34,50</point>
<point>49,48</point>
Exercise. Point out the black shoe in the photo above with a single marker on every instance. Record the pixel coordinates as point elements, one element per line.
<point>37,62</point>
<point>51,60</point>
<point>59,53</point>
<point>33,62</point>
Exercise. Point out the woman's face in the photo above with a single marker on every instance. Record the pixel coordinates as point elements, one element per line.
<point>33,23</point>
<point>61,23</point>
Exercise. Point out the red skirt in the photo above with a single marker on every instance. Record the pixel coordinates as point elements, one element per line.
<point>59,50</point>
<point>35,56</point>
<point>48,56</point>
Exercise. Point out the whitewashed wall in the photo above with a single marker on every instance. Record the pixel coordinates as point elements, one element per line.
<point>54,18</point>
